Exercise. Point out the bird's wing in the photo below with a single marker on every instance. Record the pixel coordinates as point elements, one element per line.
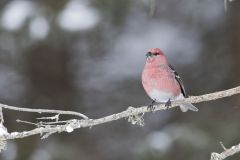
<point>179,80</point>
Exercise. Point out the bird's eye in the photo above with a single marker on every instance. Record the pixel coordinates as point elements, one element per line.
<point>150,54</point>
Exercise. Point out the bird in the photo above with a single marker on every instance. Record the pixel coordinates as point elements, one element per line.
<point>161,82</point>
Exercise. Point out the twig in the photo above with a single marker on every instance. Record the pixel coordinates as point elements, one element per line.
<point>56,118</point>
<point>1,116</point>
<point>222,145</point>
<point>41,123</point>
<point>43,111</point>
<point>152,4</point>
<point>20,121</point>
<point>74,124</point>
<point>226,4</point>
<point>226,153</point>
<point>54,123</point>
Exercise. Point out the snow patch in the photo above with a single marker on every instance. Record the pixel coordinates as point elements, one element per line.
<point>69,129</point>
<point>3,130</point>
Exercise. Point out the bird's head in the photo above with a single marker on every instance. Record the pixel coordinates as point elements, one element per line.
<point>155,55</point>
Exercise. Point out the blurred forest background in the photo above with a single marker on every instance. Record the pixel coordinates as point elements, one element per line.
<point>87,56</point>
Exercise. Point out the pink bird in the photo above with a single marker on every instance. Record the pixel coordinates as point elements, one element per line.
<point>161,82</point>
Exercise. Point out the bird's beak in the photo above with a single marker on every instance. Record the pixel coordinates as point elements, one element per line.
<point>148,54</point>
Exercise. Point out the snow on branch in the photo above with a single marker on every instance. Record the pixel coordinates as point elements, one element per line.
<point>50,125</point>
<point>226,153</point>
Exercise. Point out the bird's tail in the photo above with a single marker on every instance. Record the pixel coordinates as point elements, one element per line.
<point>188,106</point>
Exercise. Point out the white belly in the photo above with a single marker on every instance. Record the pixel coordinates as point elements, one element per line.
<point>160,96</point>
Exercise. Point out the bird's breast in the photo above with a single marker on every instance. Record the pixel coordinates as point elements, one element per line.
<point>159,79</point>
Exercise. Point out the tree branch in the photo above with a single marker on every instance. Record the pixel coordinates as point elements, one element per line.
<point>43,111</point>
<point>1,116</point>
<point>226,153</point>
<point>131,113</point>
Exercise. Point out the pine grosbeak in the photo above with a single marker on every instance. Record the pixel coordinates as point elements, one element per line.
<point>161,82</point>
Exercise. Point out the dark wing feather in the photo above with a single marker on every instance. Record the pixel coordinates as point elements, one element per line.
<point>179,80</point>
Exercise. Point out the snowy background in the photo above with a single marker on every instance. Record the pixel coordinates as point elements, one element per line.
<point>87,56</point>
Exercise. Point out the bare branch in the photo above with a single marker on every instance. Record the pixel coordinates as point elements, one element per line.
<point>1,116</point>
<point>20,121</point>
<point>56,117</point>
<point>226,4</point>
<point>226,153</point>
<point>222,145</point>
<point>152,4</point>
<point>43,111</point>
<point>70,125</point>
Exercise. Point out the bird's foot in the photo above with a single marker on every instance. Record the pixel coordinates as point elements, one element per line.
<point>150,106</point>
<point>168,104</point>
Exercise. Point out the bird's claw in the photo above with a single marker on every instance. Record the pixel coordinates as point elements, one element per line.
<point>168,104</point>
<point>151,107</point>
